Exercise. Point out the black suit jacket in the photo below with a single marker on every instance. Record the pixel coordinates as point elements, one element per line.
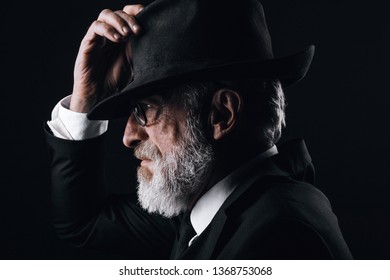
<point>276,213</point>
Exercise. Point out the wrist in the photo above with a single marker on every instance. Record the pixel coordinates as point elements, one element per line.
<point>82,100</point>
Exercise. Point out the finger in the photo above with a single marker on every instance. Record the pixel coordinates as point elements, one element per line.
<point>115,21</point>
<point>105,30</point>
<point>131,21</point>
<point>132,10</point>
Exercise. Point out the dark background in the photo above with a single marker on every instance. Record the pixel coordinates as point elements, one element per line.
<point>340,109</point>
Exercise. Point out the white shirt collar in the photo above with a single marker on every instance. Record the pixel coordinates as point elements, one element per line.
<point>208,205</point>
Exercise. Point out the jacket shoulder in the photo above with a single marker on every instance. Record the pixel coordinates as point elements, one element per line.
<point>279,218</point>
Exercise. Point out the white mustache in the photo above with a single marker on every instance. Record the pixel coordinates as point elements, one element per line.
<point>147,150</point>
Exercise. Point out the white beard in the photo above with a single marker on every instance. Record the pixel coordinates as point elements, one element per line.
<point>177,176</point>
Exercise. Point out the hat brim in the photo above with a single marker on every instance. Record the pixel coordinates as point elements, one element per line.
<point>288,70</point>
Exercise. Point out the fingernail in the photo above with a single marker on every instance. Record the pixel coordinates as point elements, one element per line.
<point>116,36</point>
<point>136,28</point>
<point>140,9</point>
<point>126,29</point>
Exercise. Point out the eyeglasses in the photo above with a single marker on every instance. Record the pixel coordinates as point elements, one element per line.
<point>140,109</point>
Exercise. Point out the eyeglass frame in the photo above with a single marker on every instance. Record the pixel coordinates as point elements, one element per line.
<point>139,109</point>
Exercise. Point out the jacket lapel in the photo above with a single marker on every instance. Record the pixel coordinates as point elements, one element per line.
<point>292,160</point>
<point>203,247</point>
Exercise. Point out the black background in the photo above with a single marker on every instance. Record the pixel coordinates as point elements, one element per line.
<point>340,109</point>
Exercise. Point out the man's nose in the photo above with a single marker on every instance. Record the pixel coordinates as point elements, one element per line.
<point>134,133</point>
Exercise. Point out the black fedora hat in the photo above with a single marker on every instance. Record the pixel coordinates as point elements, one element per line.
<point>200,40</point>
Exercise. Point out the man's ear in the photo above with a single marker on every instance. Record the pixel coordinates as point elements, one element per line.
<point>225,108</point>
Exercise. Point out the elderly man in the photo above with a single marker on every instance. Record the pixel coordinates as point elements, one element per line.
<point>204,102</point>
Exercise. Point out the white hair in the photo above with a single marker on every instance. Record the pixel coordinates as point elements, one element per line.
<point>178,176</point>
<point>264,102</point>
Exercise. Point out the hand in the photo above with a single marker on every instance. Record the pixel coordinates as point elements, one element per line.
<point>103,60</point>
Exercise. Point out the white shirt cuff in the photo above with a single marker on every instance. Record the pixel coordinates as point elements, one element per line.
<point>67,124</point>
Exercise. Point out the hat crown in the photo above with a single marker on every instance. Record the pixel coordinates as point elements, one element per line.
<point>200,40</point>
<point>194,34</point>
